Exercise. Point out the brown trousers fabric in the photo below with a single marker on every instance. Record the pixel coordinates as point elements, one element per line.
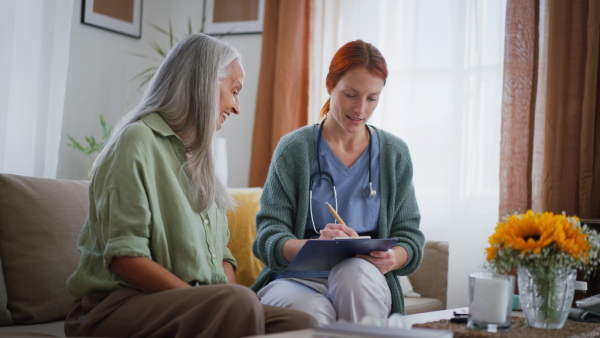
<point>224,310</point>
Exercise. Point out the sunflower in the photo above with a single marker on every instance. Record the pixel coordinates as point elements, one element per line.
<point>571,239</point>
<point>525,233</point>
<point>543,240</point>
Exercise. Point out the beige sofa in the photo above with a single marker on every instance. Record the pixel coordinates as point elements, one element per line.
<point>40,220</point>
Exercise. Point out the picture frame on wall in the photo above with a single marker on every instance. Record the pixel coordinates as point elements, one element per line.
<point>224,17</point>
<point>119,16</point>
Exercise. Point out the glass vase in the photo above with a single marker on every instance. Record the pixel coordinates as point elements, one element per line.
<point>546,296</point>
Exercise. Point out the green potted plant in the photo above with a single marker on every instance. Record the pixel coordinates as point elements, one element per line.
<point>161,52</point>
<point>93,146</point>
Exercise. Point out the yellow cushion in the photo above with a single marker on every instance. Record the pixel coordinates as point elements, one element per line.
<point>242,228</point>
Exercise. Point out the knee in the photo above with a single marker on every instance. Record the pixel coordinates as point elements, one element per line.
<point>317,307</point>
<point>355,269</point>
<point>237,291</point>
<point>240,299</point>
<point>303,320</point>
<point>240,293</point>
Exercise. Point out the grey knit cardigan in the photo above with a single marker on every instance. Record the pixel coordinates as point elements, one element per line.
<point>285,200</point>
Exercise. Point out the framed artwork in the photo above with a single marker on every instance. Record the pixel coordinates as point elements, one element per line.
<point>119,16</point>
<point>233,16</point>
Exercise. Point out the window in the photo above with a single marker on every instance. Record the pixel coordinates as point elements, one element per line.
<point>443,97</point>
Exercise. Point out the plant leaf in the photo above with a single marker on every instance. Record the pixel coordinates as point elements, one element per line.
<point>170,36</point>
<point>158,28</point>
<point>106,129</point>
<point>149,71</point>
<point>145,80</point>
<point>157,48</point>
<point>75,144</point>
<point>91,140</point>
<point>143,56</point>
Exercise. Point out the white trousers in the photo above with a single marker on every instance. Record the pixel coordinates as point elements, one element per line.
<point>354,289</point>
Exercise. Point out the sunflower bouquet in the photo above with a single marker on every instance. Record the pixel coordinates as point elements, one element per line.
<point>543,242</point>
<point>545,249</point>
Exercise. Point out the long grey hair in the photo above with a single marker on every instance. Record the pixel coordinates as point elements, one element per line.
<point>185,92</point>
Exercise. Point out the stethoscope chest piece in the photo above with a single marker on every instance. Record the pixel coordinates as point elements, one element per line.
<point>369,191</point>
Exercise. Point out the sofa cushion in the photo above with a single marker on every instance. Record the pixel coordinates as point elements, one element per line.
<point>51,329</point>
<point>414,305</point>
<point>242,228</point>
<point>5,317</point>
<point>407,288</point>
<point>40,220</point>
<point>431,278</point>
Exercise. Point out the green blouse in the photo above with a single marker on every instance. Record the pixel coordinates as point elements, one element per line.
<point>139,207</point>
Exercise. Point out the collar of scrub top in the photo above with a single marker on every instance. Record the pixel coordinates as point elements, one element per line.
<point>322,174</point>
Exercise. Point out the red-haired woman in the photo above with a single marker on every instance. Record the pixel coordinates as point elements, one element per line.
<point>363,172</point>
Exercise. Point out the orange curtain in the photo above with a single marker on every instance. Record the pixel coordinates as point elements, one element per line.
<point>283,86</point>
<point>518,105</point>
<point>550,151</point>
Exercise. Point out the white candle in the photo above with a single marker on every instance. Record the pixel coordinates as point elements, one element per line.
<point>490,300</point>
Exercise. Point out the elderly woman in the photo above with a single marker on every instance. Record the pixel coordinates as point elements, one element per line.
<point>364,171</point>
<point>154,257</point>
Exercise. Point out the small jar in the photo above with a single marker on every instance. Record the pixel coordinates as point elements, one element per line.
<point>581,292</point>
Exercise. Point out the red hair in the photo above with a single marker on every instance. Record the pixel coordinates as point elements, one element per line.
<point>351,55</point>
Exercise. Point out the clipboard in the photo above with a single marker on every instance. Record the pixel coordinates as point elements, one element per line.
<point>322,255</point>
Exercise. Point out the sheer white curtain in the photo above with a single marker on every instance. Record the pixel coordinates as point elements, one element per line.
<point>443,97</point>
<point>33,72</point>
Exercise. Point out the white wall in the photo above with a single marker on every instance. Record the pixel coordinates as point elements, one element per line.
<point>101,67</point>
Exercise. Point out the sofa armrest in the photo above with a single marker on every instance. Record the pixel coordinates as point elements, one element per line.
<point>431,278</point>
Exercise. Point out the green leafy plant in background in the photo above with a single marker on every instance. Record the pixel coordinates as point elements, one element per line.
<point>93,146</point>
<point>160,52</point>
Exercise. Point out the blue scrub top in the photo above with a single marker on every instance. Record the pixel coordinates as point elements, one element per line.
<point>359,212</point>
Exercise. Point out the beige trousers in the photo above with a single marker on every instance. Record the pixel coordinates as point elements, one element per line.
<point>223,310</point>
<point>353,290</point>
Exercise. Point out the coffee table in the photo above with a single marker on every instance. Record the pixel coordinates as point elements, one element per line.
<point>408,320</point>
<point>575,330</point>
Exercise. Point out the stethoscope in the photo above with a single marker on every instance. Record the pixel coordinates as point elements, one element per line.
<point>321,174</point>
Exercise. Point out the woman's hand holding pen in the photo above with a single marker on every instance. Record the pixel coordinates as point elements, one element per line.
<point>384,261</point>
<point>333,230</point>
<point>292,246</point>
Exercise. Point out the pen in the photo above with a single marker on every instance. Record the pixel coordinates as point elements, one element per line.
<point>335,214</point>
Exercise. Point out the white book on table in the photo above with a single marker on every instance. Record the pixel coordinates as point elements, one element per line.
<point>348,330</point>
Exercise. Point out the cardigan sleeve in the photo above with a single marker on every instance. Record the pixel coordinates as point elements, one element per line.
<point>402,210</point>
<point>273,222</point>
<point>282,203</point>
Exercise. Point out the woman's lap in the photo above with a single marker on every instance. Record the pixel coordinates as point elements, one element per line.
<point>210,311</point>
<point>354,289</point>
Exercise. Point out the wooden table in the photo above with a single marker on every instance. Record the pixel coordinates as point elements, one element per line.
<point>518,328</point>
